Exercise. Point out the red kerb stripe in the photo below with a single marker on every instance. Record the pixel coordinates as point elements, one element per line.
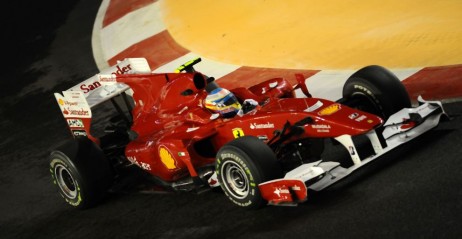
<point>436,83</point>
<point>158,50</point>
<point>248,76</point>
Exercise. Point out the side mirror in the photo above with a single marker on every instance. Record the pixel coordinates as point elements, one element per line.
<point>301,84</point>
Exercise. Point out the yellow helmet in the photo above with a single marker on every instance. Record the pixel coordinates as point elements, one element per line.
<point>222,101</point>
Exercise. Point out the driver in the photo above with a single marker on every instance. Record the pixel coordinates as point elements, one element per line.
<point>222,101</point>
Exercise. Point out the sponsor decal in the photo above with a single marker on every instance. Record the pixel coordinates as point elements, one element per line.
<point>81,112</point>
<point>73,104</point>
<point>321,128</point>
<point>90,87</point>
<point>262,126</point>
<point>361,118</point>
<point>314,107</point>
<point>75,123</point>
<point>67,103</point>
<point>352,150</point>
<point>107,78</point>
<point>280,191</point>
<point>360,87</point>
<point>236,158</point>
<point>73,95</point>
<point>132,159</point>
<point>123,70</point>
<point>78,133</point>
<point>238,132</point>
<point>262,137</point>
<point>353,116</point>
<point>181,154</point>
<point>370,121</point>
<point>166,157</point>
<point>330,109</point>
<point>142,165</point>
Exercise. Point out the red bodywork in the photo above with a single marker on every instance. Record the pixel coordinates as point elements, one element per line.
<point>176,134</point>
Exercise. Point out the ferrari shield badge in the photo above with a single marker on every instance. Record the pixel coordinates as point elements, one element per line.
<point>238,132</point>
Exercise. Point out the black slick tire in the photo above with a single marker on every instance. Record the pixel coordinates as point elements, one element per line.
<point>81,173</point>
<point>376,90</point>
<point>241,166</point>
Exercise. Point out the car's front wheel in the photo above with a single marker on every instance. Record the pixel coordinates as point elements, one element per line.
<point>376,90</point>
<point>241,166</point>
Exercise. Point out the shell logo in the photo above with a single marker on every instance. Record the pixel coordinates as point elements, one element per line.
<point>166,158</point>
<point>61,101</point>
<point>330,109</point>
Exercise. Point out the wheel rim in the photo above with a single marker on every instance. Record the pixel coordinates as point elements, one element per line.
<point>367,104</point>
<point>235,179</point>
<point>66,182</point>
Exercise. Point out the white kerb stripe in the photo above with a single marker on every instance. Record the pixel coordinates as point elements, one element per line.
<point>328,84</point>
<point>96,44</point>
<point>131,29</point>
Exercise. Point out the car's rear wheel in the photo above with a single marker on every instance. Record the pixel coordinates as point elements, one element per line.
<point>81,173</point>
<point>376,90</point>
<point>241,166</point>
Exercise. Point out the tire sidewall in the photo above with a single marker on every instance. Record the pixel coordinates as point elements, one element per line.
<point>253,198</point>
<point>363,87</point>
<point>59,159</point>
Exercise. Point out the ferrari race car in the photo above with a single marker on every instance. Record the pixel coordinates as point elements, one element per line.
<point>269,152</point>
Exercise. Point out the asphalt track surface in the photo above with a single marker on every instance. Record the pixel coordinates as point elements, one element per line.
<point>412,192</point>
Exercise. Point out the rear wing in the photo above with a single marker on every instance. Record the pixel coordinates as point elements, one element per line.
<point>76,102</point>
<point>95,92</point>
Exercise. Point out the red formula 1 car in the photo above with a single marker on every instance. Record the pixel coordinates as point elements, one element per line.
<point>269,152</point>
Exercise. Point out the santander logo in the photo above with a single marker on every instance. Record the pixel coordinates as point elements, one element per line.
<point>123,70</point>
<point>86,88</point>
<point>80,112</point>
<point>262,126</point>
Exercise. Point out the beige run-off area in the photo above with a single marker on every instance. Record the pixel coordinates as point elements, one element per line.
<point>328,34</point>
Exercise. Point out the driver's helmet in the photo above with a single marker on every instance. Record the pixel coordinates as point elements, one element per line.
<point>222,101</point>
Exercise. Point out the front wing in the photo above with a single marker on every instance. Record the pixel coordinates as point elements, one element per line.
<point>400,128</point>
